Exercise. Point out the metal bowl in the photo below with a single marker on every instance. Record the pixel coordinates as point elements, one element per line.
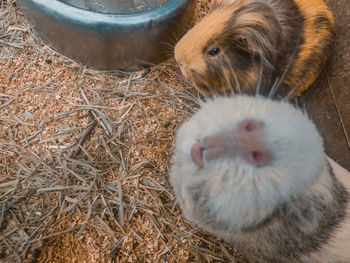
<point>111,34</point>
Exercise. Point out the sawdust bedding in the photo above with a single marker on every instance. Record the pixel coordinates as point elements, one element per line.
<point>84,158</point>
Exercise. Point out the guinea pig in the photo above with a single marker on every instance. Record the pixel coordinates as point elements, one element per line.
<point>253,171</point>
<point>241,43</point>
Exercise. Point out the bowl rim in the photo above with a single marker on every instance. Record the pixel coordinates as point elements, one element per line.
<point>73,13</point>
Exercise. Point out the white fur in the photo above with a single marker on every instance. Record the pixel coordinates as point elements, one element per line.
<point>338,248</point>
<point>297,152</point>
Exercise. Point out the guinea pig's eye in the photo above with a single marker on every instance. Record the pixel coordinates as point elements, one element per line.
<point>214,51</point>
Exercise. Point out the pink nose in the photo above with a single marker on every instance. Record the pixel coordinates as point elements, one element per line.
<point>244,141</point>
<point>250,126</point>
<point>250,145</point>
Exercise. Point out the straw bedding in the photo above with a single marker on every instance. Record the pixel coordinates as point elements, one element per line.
<point>84,158</point>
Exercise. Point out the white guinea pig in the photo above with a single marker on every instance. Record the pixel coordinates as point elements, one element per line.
<point>253,171</point>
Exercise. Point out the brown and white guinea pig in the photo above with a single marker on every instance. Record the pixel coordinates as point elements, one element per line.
<point>241,43</point>
<point>253,171</point>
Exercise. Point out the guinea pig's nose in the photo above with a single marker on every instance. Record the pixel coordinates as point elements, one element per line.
<point>184,71</point>
<point>197,154</point>
<point>245,141</point>
<point>250,143</point>
<point>250,126</point>
<point>211,148</point>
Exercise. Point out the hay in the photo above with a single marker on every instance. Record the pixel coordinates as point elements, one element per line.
<point>84,158</point>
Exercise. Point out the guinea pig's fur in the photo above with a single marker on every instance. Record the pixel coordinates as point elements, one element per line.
<point>243,43</point>
<point>292,210</point>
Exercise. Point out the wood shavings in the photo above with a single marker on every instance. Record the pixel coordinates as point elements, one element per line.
<point>85,156</point>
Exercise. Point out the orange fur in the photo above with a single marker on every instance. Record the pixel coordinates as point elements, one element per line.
<point>189,50</point>
<point>310,9</point>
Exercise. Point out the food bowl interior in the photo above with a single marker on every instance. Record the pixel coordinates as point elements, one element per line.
<point>116,6</point>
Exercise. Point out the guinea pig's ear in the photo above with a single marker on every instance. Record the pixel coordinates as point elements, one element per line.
<point>244,43</point>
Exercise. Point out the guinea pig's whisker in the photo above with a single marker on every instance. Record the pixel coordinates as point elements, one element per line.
<point>229,83</point>
<point>192,85</point>
<point>258,85</point>
<point>225,75</point>
<point>178,73</point>
<point>274,88</point>
<point>289,65</point>
<point>183,27</point>
<point>294,89</point>
<point>206,84</point>
<point>169,45</point>
<point>175,38</point>
<point>281,140</point>
<point>146,63</point>
<point>171,91</point>
<point>225,81</point>
<point>234,76</point>
<point>200,91</point>
<point>169,50</point>
<point>190,96</point>
<point>237,82</point>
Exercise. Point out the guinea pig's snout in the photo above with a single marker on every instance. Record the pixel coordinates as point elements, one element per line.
<point>182,68</point>
<point>245,141</point>
<point>250,126</point>
<point>250,145</point>
<point>183,71</point>
<point>197,154</point>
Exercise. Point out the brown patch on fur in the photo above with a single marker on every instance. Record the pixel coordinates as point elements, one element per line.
<point>318,38</point>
